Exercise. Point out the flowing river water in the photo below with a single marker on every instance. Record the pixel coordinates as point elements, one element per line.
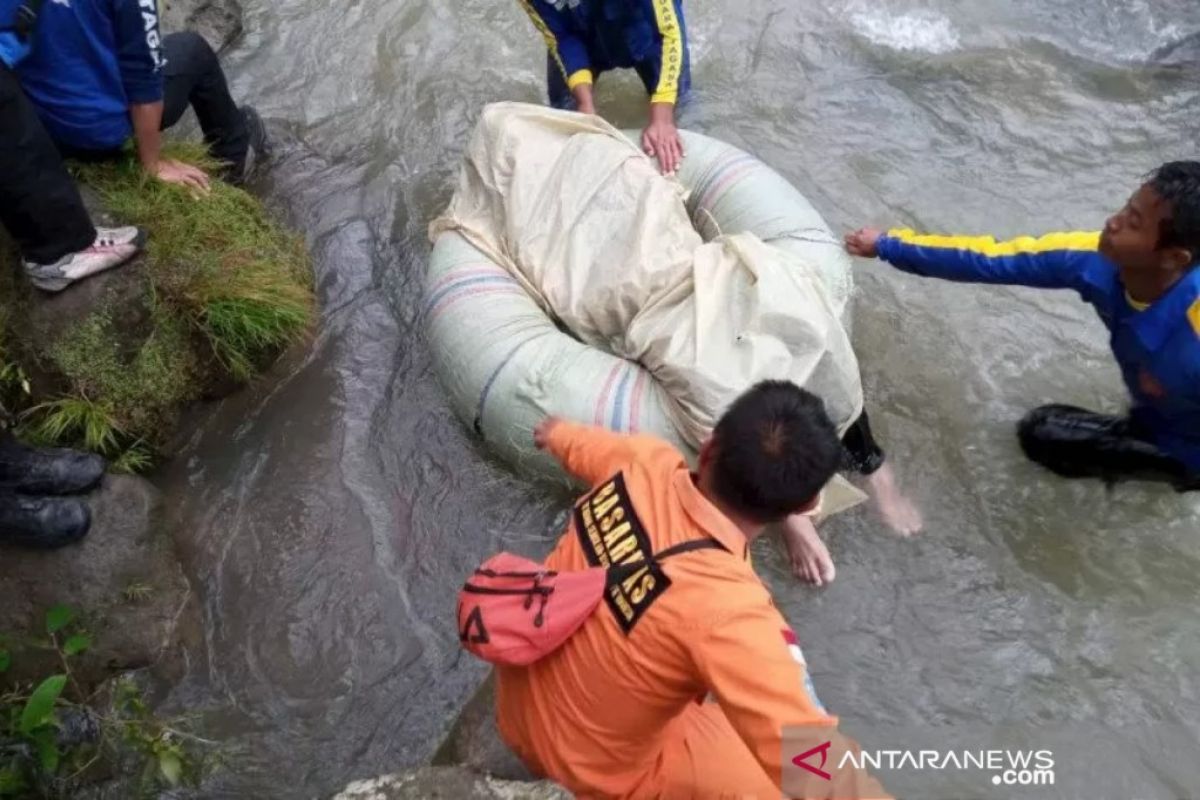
<point>326,519</point>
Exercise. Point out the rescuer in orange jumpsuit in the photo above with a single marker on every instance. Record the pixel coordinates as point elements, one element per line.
<point>619,710</point>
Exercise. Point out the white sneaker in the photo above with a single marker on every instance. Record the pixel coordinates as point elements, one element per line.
<point>112,248</point>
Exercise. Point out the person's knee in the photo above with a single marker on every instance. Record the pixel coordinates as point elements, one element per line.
<point>190,50</point>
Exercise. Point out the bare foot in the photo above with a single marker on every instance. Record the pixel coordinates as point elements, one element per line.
<point>808,555</point>
<point>898,511</point>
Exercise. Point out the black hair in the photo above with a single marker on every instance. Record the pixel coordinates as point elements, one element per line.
<point>774,449</point>
<point>1178,182</point>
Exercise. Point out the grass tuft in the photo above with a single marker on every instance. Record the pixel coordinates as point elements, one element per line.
<point>225,290</point>
<point>75,421</point>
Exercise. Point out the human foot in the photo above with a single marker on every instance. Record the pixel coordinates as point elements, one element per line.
<point>808,555</point>
<point>898,511</point>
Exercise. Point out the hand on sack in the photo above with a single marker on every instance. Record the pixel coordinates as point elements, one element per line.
<point>541,432</point>
<point>863,242</point>
<point>661,138</point>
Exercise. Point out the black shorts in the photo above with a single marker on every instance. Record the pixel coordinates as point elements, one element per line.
<point>860,452</point>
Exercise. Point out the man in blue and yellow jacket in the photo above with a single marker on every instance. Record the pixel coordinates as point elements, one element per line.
<point>101,71</point>
<point>587,37</point>
<point>1141,275</point>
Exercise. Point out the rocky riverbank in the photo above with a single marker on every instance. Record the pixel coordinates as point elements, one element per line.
<point>130,599</point>
<point>111,365</point>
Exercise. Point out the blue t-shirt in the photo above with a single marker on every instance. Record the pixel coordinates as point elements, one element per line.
<point>89,60</point>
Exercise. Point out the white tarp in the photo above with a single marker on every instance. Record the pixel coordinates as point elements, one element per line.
<point>581,217</point>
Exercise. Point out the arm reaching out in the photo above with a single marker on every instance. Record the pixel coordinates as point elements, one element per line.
<point>1054,261</point>
<point>590,453</point>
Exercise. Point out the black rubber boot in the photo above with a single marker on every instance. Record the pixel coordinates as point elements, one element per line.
<point>1077,443</point>
<point>258,152</point>
<point>38,471</point>
<point>42,522</point>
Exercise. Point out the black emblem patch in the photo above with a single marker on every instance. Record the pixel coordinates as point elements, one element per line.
<point>612,535</point>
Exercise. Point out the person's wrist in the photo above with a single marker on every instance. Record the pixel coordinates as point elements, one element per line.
<point>879,245</point>
<point>662,112</point>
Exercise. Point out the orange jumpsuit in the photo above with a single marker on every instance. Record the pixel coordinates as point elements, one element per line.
<point>619,710</point>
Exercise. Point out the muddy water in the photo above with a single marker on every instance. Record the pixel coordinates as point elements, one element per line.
<point>326,519</point>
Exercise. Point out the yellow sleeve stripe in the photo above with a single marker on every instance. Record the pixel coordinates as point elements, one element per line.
<point>547,35</point>
<point>1194,316</point>
<point>671,65</point>
<point>579,77</point>
<point>988,246</point>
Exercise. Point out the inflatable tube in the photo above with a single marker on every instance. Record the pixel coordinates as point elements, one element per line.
<point>506,364</point>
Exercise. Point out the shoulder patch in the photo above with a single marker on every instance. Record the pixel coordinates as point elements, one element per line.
<point>1194,316</point>
<point>612,535</point>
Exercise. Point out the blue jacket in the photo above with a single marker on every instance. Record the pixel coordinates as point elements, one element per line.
<point>12,49</point>
<point>589,36</point>
<point>90,60</point>
<point>1157,348</point>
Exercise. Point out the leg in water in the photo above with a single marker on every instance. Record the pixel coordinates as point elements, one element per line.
<point>864,456</point>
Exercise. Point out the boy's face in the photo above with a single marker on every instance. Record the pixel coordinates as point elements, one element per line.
<point>1130,237</point>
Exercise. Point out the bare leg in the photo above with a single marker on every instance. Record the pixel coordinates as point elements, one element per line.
<point>898,511</point>
<point>808,555</point>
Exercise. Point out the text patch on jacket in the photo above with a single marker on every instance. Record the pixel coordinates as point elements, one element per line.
<point>611,534</point>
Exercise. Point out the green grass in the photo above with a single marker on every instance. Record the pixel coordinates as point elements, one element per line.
<point>238,277</point>
<point>75,420</point>
<point>226,289</point>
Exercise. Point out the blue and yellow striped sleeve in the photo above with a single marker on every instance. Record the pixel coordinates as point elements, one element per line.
<point>1053,261</point>
<point>668,24</point>
<point>568,50</point>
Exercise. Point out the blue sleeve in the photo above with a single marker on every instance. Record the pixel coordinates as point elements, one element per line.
<point>1055,261</point>
<point>139,49</point>
<point>667,16</point>
<point>12,49</point>
<point>568,50</point>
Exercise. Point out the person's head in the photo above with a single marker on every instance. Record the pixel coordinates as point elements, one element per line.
<point>771,453</point>
<point>1156,236</point>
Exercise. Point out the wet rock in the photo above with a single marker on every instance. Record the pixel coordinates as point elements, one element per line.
<point>1184,52</point>
<point>124,580</point>
<point>123,290</point>
<point>475,741</point>
<point>116,789</point>
<point>472,763</point>
<point>450,783</point>
<point>218,21</point>
<point>77,726</point>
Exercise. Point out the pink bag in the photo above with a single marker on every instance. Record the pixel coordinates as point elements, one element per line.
<point>513,611</point>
